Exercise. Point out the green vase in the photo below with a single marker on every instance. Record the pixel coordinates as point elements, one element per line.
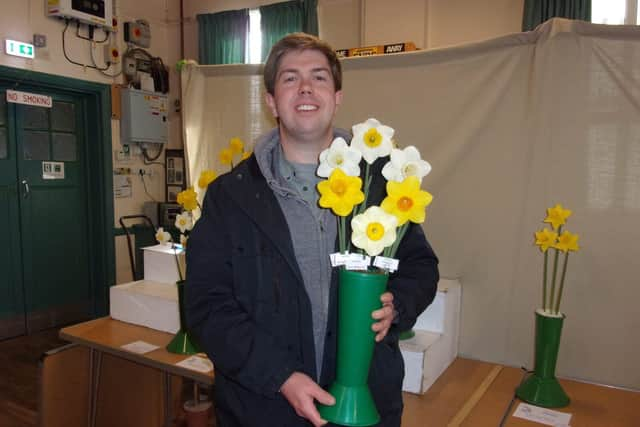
<point>358,295</point>
<point>542,388</point>
<point>182,343</point>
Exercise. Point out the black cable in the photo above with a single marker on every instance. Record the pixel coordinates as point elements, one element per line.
<point>64,50</point>
<point>144,184</point>
<point>146,156</point>
<point>513,398</point>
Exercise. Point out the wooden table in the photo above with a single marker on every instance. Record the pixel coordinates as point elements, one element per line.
<point>476,394</point>
<point>106,335</point>
<point>469,393</point>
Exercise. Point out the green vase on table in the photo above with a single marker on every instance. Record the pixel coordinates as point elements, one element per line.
<point>182,342</point>
<point>542,387</point>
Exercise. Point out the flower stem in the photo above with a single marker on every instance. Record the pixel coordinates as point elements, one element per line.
<point>553,278</point>
<point>341,234</point>
<point>564,271</point>
<point>544,281</point>
<point>400,235</point>
<point>367,183</point>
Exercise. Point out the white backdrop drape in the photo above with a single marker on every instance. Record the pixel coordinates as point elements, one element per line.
<point>511,126</point>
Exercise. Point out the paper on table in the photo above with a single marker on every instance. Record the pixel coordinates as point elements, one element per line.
<point>139,347</point>
<point>542,415</point>
<point>196,363</point>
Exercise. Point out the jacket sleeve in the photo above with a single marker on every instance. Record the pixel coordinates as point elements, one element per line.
<point>415,283</point>
<point>241,349</point>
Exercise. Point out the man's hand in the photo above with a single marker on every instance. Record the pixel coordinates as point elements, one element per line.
<point>300,391</point>
<point>384,316</point>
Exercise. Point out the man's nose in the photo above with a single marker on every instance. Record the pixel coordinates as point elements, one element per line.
<point>305,86</point>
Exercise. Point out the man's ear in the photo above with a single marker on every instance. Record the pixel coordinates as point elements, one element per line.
<point>338,97</point>
<point>271,103</point>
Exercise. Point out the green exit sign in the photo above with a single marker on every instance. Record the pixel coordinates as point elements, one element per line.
<point>16,48</point>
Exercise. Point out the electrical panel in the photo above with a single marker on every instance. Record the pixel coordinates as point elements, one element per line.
<point>91,12</point>
<point>138,33</point>
<point>144,116</point>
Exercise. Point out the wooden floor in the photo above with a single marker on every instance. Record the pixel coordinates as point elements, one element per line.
<point>19,376</point>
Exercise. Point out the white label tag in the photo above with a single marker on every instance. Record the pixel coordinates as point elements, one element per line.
<point>389,264</point>
<point>196,363</point>
<point>358,262</point>
<point>140,347</point>
<point>338,259</point>
<point>542,415</point>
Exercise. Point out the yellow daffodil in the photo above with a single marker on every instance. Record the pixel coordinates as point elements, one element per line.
<point>236,145</point>
<point>567,242</point>
<point>246,154</point>
<point>557,216</point>
<point>226,156</point>
<point>372,139</point>
<point>206,178</point>
<point>406,201</point>
<point>184,221</point>
<point>188,199</point>
<point>340,192</point>
<point>546,238</point>
<point>183,241</point>
<point>339,155</point>
<point>163,237</point>
<point>373,230</point>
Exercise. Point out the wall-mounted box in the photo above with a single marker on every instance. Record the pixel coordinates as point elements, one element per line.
<point>144,116</point>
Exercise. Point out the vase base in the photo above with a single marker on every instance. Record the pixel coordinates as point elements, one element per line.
<point>181,344</point>
<point>354,406</point>
<point>407,335</point>
<point>545,392</point>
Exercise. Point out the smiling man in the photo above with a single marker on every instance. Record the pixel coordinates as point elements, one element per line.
<point>261,293</point>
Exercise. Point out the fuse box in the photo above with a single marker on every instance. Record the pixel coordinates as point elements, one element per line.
<point>144,116</point>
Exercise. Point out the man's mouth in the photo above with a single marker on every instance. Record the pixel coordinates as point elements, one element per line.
<point>306,107</point>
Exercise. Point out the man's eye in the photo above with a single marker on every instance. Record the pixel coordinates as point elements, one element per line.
<point>321,78</point>
<point>289,78</point>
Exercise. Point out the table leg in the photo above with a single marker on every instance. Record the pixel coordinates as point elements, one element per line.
<point>95,362</point>
<point>166,385</point>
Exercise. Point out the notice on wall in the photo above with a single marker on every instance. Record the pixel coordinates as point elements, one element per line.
<point>122,186</point>
<point>27,98</point>
<point>52,170</point>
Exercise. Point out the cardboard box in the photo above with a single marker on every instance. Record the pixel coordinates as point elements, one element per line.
<point>435,344</point>
<point>146,303</point>
<point>161,265</point>
<point>376,50</point>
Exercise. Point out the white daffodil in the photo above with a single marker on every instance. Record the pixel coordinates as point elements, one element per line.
<point>339,155</point>
<point>405,163</point>
<point>184,221</point>
<point>373,230</point>
<point>372,139</point>
<point>163,237</point>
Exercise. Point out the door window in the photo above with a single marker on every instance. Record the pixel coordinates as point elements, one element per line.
<point>36,145</point>
<point>64,147</point>
<point>63,117</point>
<point>36,117</point>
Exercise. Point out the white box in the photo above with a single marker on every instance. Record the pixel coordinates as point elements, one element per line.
<point>161,265</point>
<point>146,303</point>
<point>435,344</point>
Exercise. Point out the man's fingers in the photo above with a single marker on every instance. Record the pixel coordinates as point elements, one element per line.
<point>324,397</point>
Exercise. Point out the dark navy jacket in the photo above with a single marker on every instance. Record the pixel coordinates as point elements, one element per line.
<point>247,307</point>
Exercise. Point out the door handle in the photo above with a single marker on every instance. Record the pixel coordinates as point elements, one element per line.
<point>25,184</point>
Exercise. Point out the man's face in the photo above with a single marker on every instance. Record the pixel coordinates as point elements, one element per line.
<point>304,97</point>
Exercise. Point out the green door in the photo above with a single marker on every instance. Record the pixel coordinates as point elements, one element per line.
<point>12,314</point>
<point>47,149</point>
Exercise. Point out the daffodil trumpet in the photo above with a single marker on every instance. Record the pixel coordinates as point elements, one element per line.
<point>559,241</point>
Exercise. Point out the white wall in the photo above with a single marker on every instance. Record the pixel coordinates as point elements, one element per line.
<point>19,20</point>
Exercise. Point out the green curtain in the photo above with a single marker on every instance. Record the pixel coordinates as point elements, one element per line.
<point>279,19</point>
<point>222,37</point>
<point>538,11</point>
